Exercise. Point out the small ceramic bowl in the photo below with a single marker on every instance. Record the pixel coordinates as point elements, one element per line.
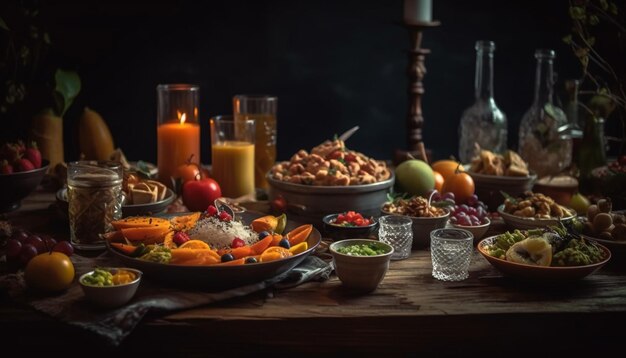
<point>338,232</point>
<point>16,186</point>
<point>361,273</point>
<point>111,296</point>
<point>422,226</point>
<point>561,188</point>
<point>478,231</point>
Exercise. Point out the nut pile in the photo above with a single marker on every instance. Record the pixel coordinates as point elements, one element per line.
<point>535,205</point>
<point>416,206</point>
<point>509,164</point>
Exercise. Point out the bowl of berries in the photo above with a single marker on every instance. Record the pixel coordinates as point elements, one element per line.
<point>349,225</point>
<point>21,171</point>
<point>472,217</point>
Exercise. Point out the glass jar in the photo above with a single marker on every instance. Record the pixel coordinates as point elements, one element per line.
<point>483,123</point>
<point>544,139</point>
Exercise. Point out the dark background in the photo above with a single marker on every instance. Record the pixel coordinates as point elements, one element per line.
<point>332,64</point>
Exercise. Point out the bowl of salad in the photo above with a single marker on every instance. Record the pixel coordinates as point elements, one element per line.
<point>550,254</point>
<point>349,225</point>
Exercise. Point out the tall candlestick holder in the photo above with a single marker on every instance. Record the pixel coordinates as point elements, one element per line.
<point>416,71</point>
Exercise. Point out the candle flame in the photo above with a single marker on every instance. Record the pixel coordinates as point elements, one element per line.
<point>182,117</point>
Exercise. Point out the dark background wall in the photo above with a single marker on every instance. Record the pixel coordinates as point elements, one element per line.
<point>332,64</point>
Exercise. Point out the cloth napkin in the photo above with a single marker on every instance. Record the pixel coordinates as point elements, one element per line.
<point>114,325</point>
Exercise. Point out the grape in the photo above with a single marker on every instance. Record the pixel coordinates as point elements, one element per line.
<point>471,211</point>
<point>481,212</point>
<point>49,242</point>
<point>37,243</point>
<point>13,248</point>
<point>473,200</point>
<point>64,247</point>
<point>482,205</point>
<point>453,219</point>
<point>28,252</point>
<point>448,195</point>
<point>464,208</point>
<point>465,221</point>
<point>20,235</point>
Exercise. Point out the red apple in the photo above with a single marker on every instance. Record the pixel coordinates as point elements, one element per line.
<point>199,194</point>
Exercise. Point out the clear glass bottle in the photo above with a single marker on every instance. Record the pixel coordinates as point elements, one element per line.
<point>544,139</point>
<point>483,123</point>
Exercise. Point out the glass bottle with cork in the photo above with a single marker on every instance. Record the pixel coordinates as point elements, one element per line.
<point>482,124</point>
<point>544,139</point>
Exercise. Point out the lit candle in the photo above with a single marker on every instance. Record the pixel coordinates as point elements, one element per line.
<point>418,10</point>
<point>176,142</point>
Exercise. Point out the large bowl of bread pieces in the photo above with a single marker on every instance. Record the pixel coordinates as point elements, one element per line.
<point>494,173</point>
<point>330,178</point>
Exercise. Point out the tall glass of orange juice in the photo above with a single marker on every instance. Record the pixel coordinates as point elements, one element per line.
<point>232,152</point>
<point>262,110</point>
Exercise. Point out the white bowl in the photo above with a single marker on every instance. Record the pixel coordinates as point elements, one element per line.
<point>361,273</point>
<point>111,296</point>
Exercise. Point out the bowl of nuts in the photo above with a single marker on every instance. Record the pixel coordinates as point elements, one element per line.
<point>533,210</point>
<point>425,217</point>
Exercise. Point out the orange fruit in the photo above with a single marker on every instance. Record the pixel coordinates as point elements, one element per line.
<point>462,185</point>
<point>195,244</point>
<point>438,180</point>
<point>447,167</point>
<point>274,253</point>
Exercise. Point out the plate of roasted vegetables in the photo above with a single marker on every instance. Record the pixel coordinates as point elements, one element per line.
<point>549,254</point>
<point>211,249</point>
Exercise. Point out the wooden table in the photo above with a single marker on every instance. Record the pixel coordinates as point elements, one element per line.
<point>409,313</point>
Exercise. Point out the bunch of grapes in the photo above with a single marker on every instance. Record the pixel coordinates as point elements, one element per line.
<point>473,213</point>
<point>22,246</point>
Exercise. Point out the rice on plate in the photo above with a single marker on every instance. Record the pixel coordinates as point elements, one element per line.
<point>220,234</point>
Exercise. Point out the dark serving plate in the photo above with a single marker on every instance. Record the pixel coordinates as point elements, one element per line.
<point>220,277</point>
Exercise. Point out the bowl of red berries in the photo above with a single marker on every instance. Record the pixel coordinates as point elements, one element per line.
<point>349,225</point>
<point>21,171</point>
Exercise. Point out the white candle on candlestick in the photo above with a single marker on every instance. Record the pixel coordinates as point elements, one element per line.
<point>418,10</point>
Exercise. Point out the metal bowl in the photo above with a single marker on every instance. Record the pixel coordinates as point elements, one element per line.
<point>312,203</point>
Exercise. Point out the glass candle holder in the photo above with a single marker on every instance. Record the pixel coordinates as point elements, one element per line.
<point>178,129</point>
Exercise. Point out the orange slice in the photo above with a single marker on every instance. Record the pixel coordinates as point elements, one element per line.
<point>274,253</point>
<point>195,244</point>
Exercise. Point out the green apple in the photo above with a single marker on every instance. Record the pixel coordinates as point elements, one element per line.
<point>415,177</point>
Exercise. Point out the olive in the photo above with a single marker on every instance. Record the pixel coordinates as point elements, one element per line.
<point>251,260</point>
<point>227,257</point>
<point>602,222</point>
<point>618,219</point>
<point>619,232</point>
<point>263,234</point>
<point>284,243</point>
<point>592,210</point>
<point>605,205</point>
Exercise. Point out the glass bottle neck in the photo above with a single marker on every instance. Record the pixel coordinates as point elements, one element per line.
<point>483,83</point>
<point>544,81</point>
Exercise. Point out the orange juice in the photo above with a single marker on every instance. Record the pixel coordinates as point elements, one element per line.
<point>176,143</point>
<point>233,167</point>
<point>265,145</point>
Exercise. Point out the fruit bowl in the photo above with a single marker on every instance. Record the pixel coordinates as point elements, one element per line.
<point>16,186</point>
<point>338,232</point>
<point>111,296</point>
<point>478,231</point>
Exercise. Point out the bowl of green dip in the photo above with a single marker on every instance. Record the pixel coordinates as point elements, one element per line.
<point>361,264</point>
